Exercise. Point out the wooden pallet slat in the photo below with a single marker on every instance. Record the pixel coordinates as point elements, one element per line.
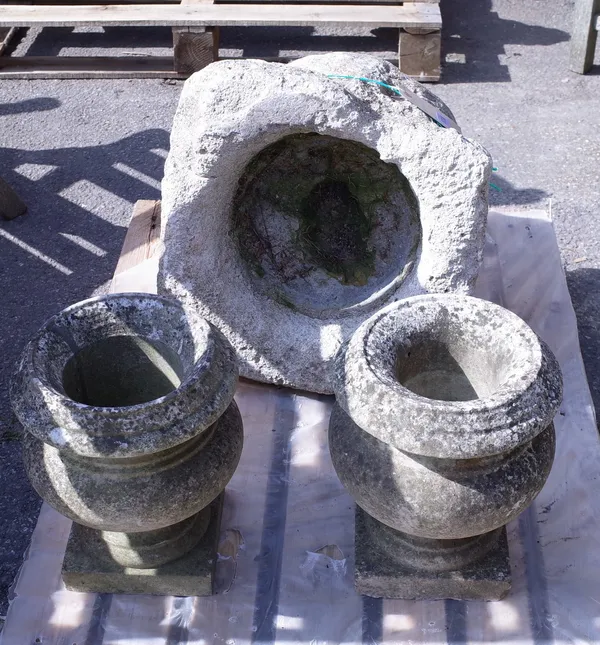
<point>137,266</point>
<point>143,235</point>
<point>6,34</point>
<point>31,67</point>
<point>419,53</point>
<point>421,15</point>
<point>194,47</point>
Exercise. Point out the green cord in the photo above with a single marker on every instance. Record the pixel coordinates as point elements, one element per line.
<point>367,80</point>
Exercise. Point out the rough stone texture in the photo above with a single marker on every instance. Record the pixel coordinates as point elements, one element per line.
<point>510,384</point>
<point>87,569</point>
<point>484,73</point>
<point>323,223</point>
<point>131,431</point>
<point>381,574</point>
<point>143,493</point>
<point>164,342</point>
<point>442,432</point>
<point>284,290</point>
<point>437,498</point>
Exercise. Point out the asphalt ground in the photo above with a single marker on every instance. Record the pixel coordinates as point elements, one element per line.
<point>81,152</point>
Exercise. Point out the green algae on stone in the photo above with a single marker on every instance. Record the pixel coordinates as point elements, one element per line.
<point>328,195</point>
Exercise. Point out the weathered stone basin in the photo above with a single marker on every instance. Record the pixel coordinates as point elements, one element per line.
<point>442,432</point>
<point>132,432</point>
<point>298,200</point>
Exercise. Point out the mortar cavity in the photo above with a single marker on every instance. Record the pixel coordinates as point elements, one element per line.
<point>324,224</point>
<point>122,370</point>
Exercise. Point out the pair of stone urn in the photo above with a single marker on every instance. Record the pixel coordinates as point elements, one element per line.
<point>441,431</point>
<point>319,231</point>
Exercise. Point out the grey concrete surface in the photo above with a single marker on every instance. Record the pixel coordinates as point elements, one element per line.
<point>80,153</point>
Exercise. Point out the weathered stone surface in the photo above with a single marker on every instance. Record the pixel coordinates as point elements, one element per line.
<point>88,566</point>
<point>381,573</point>
<point>442,432</point>
<point>153,492</point>
<point>295,205</point>
<point>391,378</point>
<point>128,345</point>
<point>437,498</point>
<point>132,431</point>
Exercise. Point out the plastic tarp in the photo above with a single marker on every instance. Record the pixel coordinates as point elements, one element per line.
<point>285,566</point>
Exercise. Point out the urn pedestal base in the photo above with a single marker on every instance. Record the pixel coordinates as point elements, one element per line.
<point>381,575</point>
<point>86,567</point>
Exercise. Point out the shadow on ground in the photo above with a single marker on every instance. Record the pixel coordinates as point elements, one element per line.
<point>503,193</point>
<point>474,37</point>
<point>65,247</point>
<point>474,40</point>
<point>40,104</point>
<point>52,40</point>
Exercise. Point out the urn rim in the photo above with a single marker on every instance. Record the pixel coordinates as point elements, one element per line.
<point>180,409</point>
<point>517,410</point>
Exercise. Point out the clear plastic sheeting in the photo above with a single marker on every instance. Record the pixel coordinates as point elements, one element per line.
<point>285,567</point>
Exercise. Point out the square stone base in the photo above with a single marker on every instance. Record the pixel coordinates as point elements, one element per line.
<point>380,576</point>
<point>190,575</point>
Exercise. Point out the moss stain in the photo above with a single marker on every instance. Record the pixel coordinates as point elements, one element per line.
<point>332,188</point>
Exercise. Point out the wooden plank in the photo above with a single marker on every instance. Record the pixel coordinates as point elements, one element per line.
<point>102,2</point>
<point>65,67</point>
<point>345,3</point>
<point>73,3</point>
<point>172,2</point>
<point>426,16</point>
<point>142,235</point>
<point>584,35</point>
<point>194,47</point>
<point>68,67</point>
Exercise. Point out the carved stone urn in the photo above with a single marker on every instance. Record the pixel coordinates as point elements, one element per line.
<point>132,432</point>
<point>442,432</point>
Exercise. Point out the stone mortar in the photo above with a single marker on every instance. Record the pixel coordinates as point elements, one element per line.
<point>263,163</point>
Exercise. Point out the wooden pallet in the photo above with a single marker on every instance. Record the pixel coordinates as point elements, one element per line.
<point>196,23</point>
